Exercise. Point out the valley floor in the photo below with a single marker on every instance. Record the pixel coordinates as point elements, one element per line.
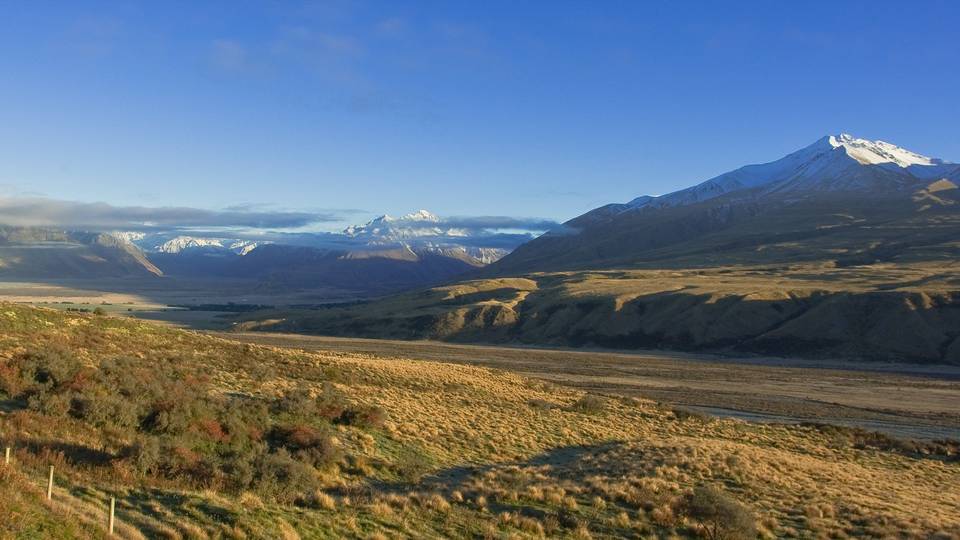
<point>906,400</point>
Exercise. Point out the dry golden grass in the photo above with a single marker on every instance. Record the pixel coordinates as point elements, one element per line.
<point>904,311</point>
<point>472,452</point>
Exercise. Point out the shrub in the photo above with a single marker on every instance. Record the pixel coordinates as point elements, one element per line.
<point>145,454</point>
<point>307,444</point>
<point>285,479</point>
<point>411,465</point>
<point>687,414</point>
<point>183,430</point>
<point>366,417</point>
<point>719,516</point>
<point>589,404</point>
<point>541,404</point>
<point>295,402</point>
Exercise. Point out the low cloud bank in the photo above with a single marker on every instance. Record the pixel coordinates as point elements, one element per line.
<point>43,212</point>
<point>257,222</point>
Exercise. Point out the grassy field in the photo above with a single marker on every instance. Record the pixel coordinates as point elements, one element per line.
<point>906,400</point>
<point>204,437</point>
<point>162,298</point>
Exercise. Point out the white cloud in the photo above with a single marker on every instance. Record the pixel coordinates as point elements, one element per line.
<point>44,212</point>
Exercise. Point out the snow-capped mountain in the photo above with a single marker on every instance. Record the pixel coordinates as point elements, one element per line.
<point>842,200</point>
<point>422,230</point>
<point>390,230</point>
<point>167,244</point>
<point>482,255</point>
<point>182,243</point>
<point>243,247</point>
<point>131,237</point>
<point>832,163</point>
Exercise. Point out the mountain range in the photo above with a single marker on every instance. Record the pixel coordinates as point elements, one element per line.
<point>386,254</point>
<point>845,248</point>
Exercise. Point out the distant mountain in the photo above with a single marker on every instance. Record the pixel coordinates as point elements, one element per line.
<point>384,255</point>
<point>837,193</point>
<point>422,230</point>
<point>178,243</point>
<point>369,271</point>
<point>41,253</point>
<point>387,229</point>
<point>184,243</point>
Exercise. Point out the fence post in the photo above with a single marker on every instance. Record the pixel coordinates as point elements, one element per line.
<point>50,484</point>
<point>113,505</point>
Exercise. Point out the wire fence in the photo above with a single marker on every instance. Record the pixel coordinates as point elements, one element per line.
<point>110,521</point>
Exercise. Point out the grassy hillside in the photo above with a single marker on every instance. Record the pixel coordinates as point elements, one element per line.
<point>905,312</point>
<point>200,437</point>
<point>837,228</point>
<point>40,253</point>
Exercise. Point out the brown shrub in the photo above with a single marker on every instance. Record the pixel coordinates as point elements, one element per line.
<point>589,404</point>
<point>719,516</point>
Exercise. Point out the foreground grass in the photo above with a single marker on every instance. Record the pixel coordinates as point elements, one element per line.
<point>461,451</point>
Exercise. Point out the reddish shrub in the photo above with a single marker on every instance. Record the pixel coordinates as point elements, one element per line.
<point>211,429</point>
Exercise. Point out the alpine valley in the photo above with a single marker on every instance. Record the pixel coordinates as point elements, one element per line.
<point>386,254</point>
<point>845,248</point>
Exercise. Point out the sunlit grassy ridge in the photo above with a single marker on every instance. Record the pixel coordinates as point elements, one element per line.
<point>203,437</point>
<point>904,312</point>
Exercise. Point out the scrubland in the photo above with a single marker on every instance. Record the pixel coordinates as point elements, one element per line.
<point>202,437</point>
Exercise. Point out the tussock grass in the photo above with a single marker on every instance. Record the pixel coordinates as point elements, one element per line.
<point>428,450</point>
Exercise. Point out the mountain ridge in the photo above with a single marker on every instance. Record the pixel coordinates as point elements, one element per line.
<point>808,181</point>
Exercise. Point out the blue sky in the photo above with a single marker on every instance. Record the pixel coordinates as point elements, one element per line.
<point>527,109</point>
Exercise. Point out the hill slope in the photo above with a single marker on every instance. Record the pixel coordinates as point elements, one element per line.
<point>368,271</point>
<point>203,437</point>
<point>49,253</point>
<point>882,312</point>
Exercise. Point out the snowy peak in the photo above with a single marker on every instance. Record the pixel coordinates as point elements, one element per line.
<point>832,163</point>
<point>130,237</point>
<point>422,215</point>
<point>869,152</point>
<point>242,247</point>
<point>165,243</point>
<point>424,231</point>
<point>181,243</point>
<point>389,229</point>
